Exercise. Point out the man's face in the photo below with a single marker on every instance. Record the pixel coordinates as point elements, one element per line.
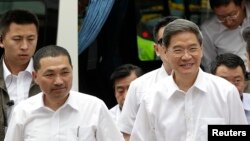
<point>233,75</point>
<point>121,88</point>
<point>184,54</point>
<point>19,43</point>
<point>230,15</point>
<point>54,77</point>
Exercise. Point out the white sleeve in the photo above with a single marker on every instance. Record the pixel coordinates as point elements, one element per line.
<point>107,129</point>
<point>129,110</point>
<point>143,128</point>
<point>15,128</point>
<point>236,113</point>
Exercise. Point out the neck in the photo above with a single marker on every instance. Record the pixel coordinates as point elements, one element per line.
<point>167,68</point>
<point>184,82</point>
<point>55,103</point>
<point>14,68</point>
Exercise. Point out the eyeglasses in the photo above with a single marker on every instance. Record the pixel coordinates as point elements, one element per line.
<point>232,16</point>
<point>179,52</point>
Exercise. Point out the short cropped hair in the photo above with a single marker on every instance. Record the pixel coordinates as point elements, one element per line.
<point>124,71</point>
<point>49,51</point>
<point>18,16</point>
<point>161,23</point>
<point>178,26</point>
<point>229,60</point>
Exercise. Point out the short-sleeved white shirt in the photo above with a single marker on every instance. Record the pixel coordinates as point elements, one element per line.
<point>115,113</point>
<point>167,113</point>
<point>137,89</point>
<point>82,118</point>
<point>246,105</point>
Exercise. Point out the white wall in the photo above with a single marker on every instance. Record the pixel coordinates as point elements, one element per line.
<point>67,35</point>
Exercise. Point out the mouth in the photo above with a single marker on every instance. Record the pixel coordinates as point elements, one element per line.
<point>188,65</point>
<point>59,89</point>
<point>23,55</point>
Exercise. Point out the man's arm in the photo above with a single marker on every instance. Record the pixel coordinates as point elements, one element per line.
<point>129,110</point>
<point>15,130</point>
<point>143,130</point>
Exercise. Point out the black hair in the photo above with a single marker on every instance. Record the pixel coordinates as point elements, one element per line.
<point>49,51</point>
<point>124,71</point>
<point>18,16</point>
<point>161,23</point>
<point>229,60</point>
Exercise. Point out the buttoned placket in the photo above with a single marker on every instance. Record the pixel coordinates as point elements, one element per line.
<point>189,116</point>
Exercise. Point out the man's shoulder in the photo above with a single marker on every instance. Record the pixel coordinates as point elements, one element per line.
<point>30,103</point>
<point>147,76</point>
<point>114,109</point>
<point>214,82</point>
<point>86,99</point>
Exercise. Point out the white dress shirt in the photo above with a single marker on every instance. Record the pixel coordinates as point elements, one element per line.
<point>246,105</point>
<point>218,39</point>
<point>18,86</point>
<point>167,113</point>
<point>81,118</point>
<point>137,89</point>
<point>115,113</point>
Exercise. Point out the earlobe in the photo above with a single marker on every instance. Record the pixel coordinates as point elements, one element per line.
<point>1,41</point>
<point>34,76</point>
<point>156,50</point>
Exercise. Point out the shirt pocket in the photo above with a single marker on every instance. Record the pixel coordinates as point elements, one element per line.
<point>81,134</point>
<point>203,126</point>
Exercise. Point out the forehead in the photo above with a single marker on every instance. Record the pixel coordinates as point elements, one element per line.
<point>22,28</point>
<point>224,70</point>
<point>54,62</point>
<point>185,36</point>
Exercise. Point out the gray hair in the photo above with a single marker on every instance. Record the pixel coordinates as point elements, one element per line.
<point>178,26</point>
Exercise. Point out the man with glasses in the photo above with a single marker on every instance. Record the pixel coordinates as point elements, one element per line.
<point>223,32</point>
<point>181,106</point>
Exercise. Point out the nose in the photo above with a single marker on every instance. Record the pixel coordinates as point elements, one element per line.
<point>24,44</point>
<point>186,54</point>
<point>58,80</point>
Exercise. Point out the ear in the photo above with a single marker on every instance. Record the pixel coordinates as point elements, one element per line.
<point>34,76</point>
<point>1,41</point>
<point>201,50</point>
<point>156,47</point>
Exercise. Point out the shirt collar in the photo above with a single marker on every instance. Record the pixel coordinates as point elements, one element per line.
<point>199,83</point>
<point>70,102</point>
<point>7,72</point>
